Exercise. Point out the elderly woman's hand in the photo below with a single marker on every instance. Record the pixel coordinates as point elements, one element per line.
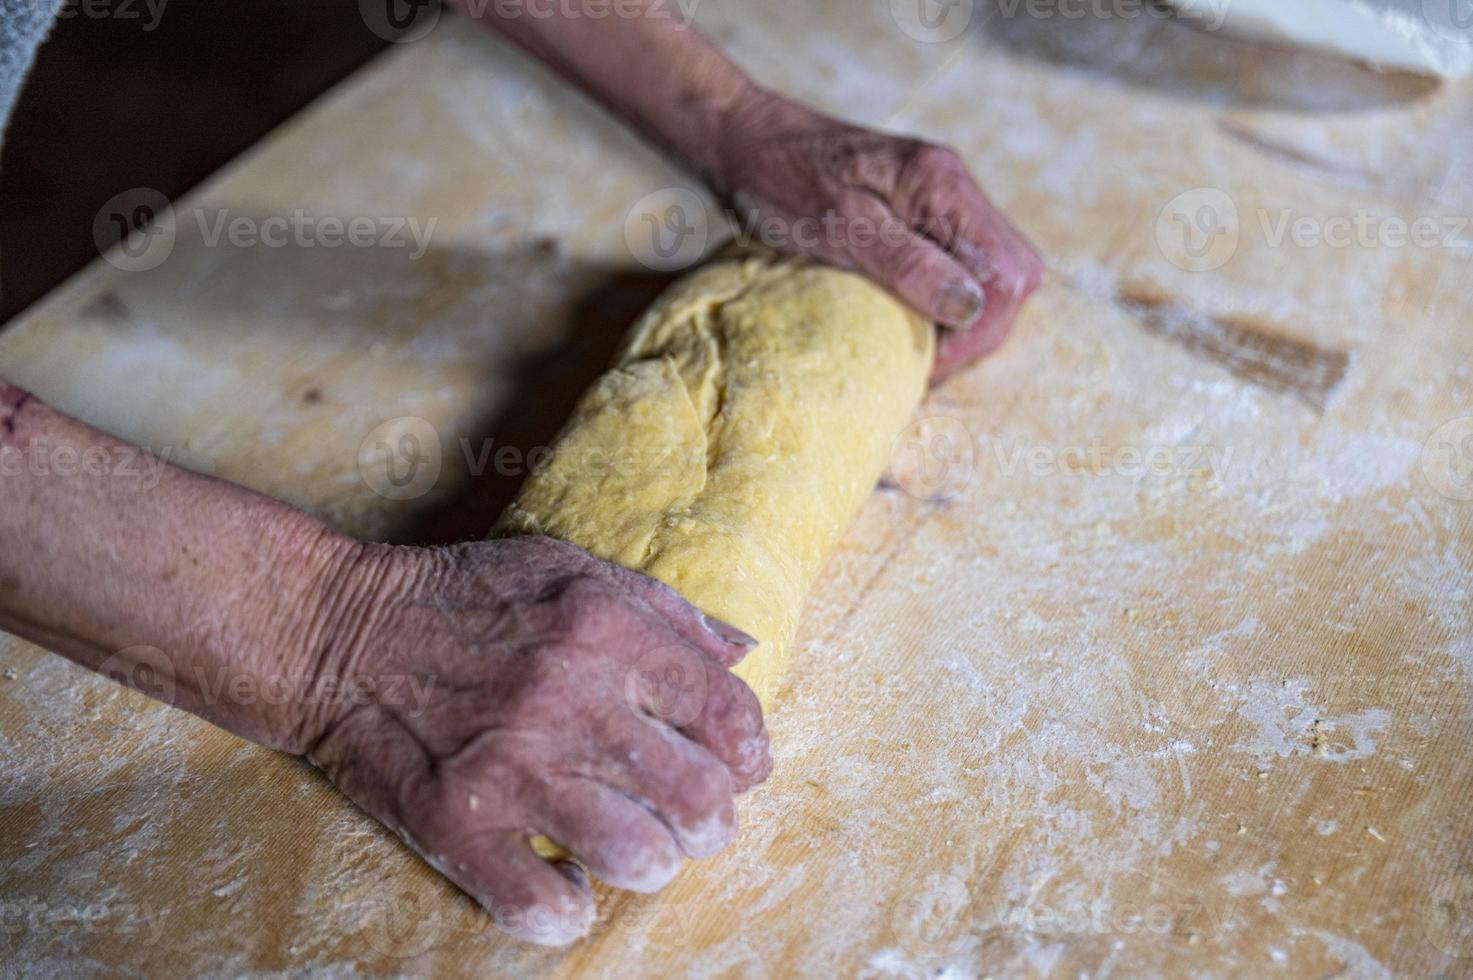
<point>904,212</point>
<point>523,687</point>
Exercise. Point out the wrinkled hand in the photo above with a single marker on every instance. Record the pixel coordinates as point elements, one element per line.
<point>904,212</point>
<point>523,687</point>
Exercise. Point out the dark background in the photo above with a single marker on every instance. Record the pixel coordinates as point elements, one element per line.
<point>110,106</point>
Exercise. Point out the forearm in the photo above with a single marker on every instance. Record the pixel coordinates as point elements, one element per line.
<point>180,585</point>
<point>640,60</point>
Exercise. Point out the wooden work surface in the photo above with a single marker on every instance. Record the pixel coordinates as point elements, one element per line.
<point>1053,714</point>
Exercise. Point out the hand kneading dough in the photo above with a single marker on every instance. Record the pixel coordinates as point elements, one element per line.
<point>742,427</point>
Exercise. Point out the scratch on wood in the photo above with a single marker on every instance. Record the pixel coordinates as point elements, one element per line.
<point>1291,154</point>
<point>109,307</point>
<point>1250,350</point>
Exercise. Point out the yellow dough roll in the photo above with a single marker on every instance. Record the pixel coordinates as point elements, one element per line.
<point>744,423</point>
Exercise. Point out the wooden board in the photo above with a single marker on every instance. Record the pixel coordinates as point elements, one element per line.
<point>1169,672</point>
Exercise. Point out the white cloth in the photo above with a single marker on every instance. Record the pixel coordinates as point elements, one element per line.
<point>23,26</point>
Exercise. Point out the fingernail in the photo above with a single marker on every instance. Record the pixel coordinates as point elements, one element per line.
<point>728,632</point>
<point>960,304</point>
<point>572,871</point>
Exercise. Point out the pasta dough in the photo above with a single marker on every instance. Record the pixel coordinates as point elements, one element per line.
<point>751,411</point>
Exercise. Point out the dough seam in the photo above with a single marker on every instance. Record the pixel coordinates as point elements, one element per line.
<point>748,416</point>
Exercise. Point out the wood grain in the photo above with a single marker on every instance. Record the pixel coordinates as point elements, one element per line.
<point>1172,678</point>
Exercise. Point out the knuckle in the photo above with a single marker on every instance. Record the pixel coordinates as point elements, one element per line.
<point>642,856</point>
<point>711,822</point>
<point>867,159</point>
<point>911,265</point>
<point>428,819</point>
<point>587,610</point>
<point>936,159</point>
<point>732,707</point>
<point>708,786</point>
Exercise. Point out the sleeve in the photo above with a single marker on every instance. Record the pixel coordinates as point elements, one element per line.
<point>23,26</point>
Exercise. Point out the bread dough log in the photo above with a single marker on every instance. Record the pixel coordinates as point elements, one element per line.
<point>745,422</point>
